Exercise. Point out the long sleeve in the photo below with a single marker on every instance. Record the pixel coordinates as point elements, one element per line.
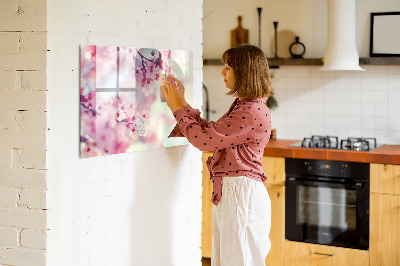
<point>193,113</point>
<point>238,139</point>
<point>231,130</point>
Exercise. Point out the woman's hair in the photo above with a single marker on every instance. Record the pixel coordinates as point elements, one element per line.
<point>250,66</point>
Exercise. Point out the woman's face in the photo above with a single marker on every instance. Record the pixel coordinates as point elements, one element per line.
<point>229,76</point>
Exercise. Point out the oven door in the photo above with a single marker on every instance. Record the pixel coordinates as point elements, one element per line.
<point>327,213</point>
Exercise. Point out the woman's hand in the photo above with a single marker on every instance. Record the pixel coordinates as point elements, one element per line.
<point>181,90</point>
<point>173,94</point>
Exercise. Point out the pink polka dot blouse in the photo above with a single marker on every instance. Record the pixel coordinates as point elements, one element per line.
<point>238,139</point>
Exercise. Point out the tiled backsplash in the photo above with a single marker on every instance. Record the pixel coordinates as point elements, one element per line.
<point>313,102</point>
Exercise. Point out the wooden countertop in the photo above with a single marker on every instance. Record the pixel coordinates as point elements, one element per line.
<point>389,154</point>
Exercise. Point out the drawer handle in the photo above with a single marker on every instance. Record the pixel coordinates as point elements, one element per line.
<point>324,254</point>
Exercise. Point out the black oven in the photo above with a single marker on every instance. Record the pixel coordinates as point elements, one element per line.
<point>327,202</point>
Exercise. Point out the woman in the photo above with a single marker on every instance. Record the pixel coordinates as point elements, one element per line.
<point>242,208</point>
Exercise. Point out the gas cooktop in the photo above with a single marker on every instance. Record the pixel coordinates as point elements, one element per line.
<point>332,142</point>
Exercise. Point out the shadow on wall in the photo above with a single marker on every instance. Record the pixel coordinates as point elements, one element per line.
<point>152,213</point>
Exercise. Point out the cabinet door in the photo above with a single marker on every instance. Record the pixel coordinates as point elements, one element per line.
<point>277,233</point>
<point>384,230</point>
<point>304,254</point>
<point>385,178</point>
<point>274,168</point>
<point>206,226</point>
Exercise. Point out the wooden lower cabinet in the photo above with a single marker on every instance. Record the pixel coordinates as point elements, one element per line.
<point>385,178</point>
<point>206,225</point>
<point>304,254</point>
<point>384,230</point>
<point>277,233</point>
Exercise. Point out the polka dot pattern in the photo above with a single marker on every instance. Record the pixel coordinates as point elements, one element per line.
<point>238,139</point>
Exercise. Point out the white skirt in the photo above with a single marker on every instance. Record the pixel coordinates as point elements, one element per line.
<point>241,223</point>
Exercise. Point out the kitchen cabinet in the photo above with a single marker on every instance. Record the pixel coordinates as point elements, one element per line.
<point>274,168</point>
<point>384,221</point>
<point>385,178</point>
<point>277,233</point>
<point>305,254</point>
<point>206,225</point>
<point>385,215</point>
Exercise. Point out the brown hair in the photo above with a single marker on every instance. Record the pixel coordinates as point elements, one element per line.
<point>250,66</point>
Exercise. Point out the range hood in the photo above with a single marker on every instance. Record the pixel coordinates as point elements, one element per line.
<point>341,51</point>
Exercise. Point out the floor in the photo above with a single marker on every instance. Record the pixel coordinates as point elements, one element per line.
<point>206,261</point>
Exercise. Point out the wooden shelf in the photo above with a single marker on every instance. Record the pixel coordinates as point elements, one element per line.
<point>380,61</point>
<point>295,62</point>
<point>273,63</point>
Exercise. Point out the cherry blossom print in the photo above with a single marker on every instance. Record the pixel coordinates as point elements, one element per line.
<point>120,105</point>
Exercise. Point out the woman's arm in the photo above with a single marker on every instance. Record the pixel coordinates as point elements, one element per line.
<point>193,113</point>
<point>171,83</point>
<point>239,127</point>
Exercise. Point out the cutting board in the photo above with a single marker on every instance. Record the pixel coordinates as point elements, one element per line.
<point>239,35</point>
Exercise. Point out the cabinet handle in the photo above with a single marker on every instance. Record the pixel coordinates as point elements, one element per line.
<point>324,254</point>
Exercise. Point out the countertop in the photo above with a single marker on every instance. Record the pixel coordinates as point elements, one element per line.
<point>389,154</point>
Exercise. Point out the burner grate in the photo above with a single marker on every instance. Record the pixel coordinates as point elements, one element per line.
<point>327,142</point>
<point>332,142</point>
<point>358,144</point>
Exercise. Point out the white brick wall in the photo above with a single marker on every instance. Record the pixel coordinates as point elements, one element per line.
<point>23,132</point>
<point>141,208</point>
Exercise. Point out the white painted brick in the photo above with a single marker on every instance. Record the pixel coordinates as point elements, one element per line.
<point>11,21</point>
<point>33,159</point>
<point>79,176</point>
<point>114,186</point>
<point>80,227</point>
<point>8,237</point>
<point>35,120</point>
<point>8,197</point>
<point>196,10</point>
<point>8,6</point>
<point>97,173</point>
<point>17,256</point>
<point>145,32</point>
<point>127,168</point>
<point>33,7</point>
<point>179,8</point>
<point>33,239</point>
<point>98,222</point>
<point>33,199</point>
<point>23,178</point>
<point>98,253</point>
<point>9,42</point>
<point>7,80</point>
<point>197,166</point>
<point>31,55</point>
<point>23,100</point>
<point>31,80</point>
<point>11,138</point>
<point>34,61</point>
<point>190,22</point>
<point>22,218</point>
<point>5,159</point>
<point>168,19</point>
<point>196,37</point>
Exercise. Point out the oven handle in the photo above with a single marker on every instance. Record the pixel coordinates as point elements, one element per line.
<point>324,254</point>
<point>357,185</point>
